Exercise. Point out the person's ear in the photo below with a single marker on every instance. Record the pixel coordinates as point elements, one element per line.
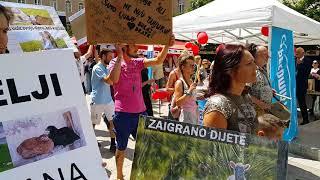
<point>261,133</point>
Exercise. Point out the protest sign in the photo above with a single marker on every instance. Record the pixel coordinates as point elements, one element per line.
<point>130,21</point>
<point>45,131</point>
<point>78,26</point>
<point>174,150</point>
<point>36,28</point>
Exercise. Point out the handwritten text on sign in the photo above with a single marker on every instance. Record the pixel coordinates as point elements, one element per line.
<point>130,21</point>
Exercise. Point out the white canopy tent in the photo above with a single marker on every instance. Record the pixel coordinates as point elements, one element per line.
<point>227,21</point>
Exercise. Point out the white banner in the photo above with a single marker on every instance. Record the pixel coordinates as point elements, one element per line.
<point>36,28</point>
<point>45,128</point>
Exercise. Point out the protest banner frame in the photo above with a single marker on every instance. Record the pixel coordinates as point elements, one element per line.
<point>130,21</point>
<point>36,28</point>
<point>34,101</point>
<point>171,150</point>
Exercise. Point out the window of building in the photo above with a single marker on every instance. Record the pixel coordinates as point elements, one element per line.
<point>68,6</point>
<point>53,4</point>
<point>37,2</point>
<point>181,6</point>
<point>21,1</point>
<point>80,6</point>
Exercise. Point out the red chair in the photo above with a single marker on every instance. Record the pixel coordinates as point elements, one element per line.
<point>160,94</point>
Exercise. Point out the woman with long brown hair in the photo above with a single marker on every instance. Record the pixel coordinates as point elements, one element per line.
<point>227,107</point>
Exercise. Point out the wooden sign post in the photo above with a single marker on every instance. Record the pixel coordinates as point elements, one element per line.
<point>129,21</point>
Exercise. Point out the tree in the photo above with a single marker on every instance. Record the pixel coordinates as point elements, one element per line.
<point>198,3</point>
<point>310,8</point>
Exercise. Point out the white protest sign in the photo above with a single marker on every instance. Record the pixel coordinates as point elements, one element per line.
<point>34,28</point>
<point>45,128</point>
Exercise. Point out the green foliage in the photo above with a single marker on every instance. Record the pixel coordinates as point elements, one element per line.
<point>31,46</point>
<point>5,160</point>
<point>161,155</point>
<point>35,12</point>
<point>35,45</point>
<point>69,29</point>
<point>310,8</point>
<point>198,3</point>
<point>61,44</point>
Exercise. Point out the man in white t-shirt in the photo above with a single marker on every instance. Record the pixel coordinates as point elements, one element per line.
<point>80,64</point>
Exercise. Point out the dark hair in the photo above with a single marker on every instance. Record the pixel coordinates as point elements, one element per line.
<point>104,52</point>
<point>252,48</point>
<point>7,13</point>
<point>226,60</point>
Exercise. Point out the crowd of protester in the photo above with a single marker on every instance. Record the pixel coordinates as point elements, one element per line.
<point>239,93</point>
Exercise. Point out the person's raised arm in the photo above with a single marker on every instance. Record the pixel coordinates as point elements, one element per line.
<point>180,96</point>
<point>89,52</point>
<point>96,56</point>
<point>114,76</point>
<point>161,56</point>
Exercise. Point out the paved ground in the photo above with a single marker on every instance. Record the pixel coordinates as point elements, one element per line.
<point>298,167</point>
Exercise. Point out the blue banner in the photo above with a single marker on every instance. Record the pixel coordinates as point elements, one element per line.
<point>283,75</point>
<point>150,55</point>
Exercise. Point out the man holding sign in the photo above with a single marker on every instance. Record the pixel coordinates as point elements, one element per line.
<point>129,104</point>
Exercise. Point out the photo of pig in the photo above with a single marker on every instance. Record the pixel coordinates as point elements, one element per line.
<point>42,136</point>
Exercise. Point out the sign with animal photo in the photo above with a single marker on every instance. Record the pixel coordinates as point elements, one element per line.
<point>174,150</point>
<point>35,28</point>
<point>44,128</point>
<point>129,21</point>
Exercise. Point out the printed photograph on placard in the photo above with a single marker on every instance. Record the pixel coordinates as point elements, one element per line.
<point>31,16</point>
<point>162,155</point>
<point>38,137</point>
<point>30,41</point>
<point>5,160</point>
<point>36,28</point>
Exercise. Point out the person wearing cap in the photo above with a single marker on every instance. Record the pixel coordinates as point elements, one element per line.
<point>127,85</point>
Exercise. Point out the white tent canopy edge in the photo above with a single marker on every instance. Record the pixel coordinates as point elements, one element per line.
<point>228,21</point>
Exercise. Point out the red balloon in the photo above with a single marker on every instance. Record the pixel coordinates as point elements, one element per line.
<point>188,45</point>
<point>195,49</point>
<point>265,30</point>
<point>202,38</point>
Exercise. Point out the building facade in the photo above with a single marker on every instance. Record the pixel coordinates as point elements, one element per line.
<point>180,6</point>
<point>68,7</point>
<point>63,7</point>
